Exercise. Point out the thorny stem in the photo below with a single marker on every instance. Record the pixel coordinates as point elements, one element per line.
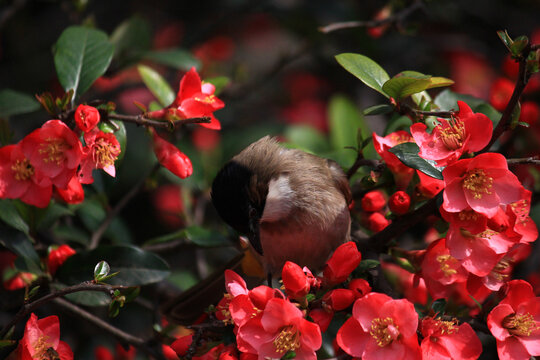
<point>396,19</point>
<point>28,308</point>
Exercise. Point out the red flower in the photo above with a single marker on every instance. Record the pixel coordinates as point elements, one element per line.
<point>194,99</point>
<point>41,340</point>
<point>55,150</point>
<point>515,322</point>
<point>410,285</point>
<point>182,344</point>
<point>102,353</point>
<point>402,173</point>
<point>322,317</point>
<point>466,132</point>
<point>360,287</point>
<point>101,151</point>
<point>428,186</point>
<point>19,179</point>
<point>500,93</point>
<point>339,299</point>
<point>86,117</point>
<point>377,222</point>
<point>280,330</point>
<point>171,158</point>
<point>530,112</point>
<point>296,282</point>
<point>73,193</point>
<point>483,183</point>
<point>342,263</point>
<point>373,201</point>
<point>399,202</point>
<point>19,281</point>
<point>381,328</point>
<point>58,256</point>
<point>445,339</point>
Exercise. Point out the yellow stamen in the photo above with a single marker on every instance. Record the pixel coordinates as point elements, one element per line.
<point>478,183</point>
<point>104,153</point>
<point>446,261</point>
<point>520,324</point>
<point>53,150</point>
<point>453,136</point>
<point>23,170</point>
<point>287,340</point>
<point>383,331</point>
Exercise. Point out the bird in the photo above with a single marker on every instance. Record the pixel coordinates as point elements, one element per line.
<point>291,205</point>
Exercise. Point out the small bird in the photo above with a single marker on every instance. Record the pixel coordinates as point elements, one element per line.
<point>291,205</point>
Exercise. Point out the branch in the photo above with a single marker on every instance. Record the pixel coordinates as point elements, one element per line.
<point>535,160</point>
<point>505,121</point>
<point>28,308</point>
<point>405,109</point>
<point>141,120</point>
<point>119,334</point>
<point>96,236</point>
<point>360,161</point>
<point>396,19</point>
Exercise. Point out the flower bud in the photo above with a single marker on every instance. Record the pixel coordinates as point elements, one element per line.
<point>58,256</point>
<point>399,202</point>
<point>295,280</point>
<point>377,222</point>
<point>360,287</point>
<point>342,263</point>
<point>339,299</point>
<point>86,117</point>
<point>373,201</point>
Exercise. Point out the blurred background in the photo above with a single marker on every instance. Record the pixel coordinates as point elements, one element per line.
<point>275,70</point>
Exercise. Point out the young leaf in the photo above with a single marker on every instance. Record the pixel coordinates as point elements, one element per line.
<point>101,270</point>
<point>365,69</point>
<point>157,85</point>
<point>176,58</point>
<point>205,237</point>
<point>506,39</point>
<point>408,154</point>
<point>14,103</point>
<point>81,56</point>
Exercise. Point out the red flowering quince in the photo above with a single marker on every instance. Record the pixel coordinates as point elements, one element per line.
<point>194,99</point>
<point>481,183</point>
<point>55,150</point>
<point>381,328</point>
<point>402,173</point>
<point>41,340</point>
<point>73,193</point>
<point>515,322</point>
<point>19,179</point>
<point>446,339</point>
<point>428,186</point>
<point>170,157</point>
<point>57,256</point>
<point>412,286</point>
<point>86,117</point>
<point>101,151</point>
<point>342,263</point>
<point>297,281</point>
<point>279,330</point>
<point>464,133</point>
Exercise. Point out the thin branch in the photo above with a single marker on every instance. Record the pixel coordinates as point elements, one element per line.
<point>397,19</point>
<point>505,121</point>
<point>535,160</point>
<point>28,308</point>
<point>141,120</point>
<point>405,109</point>
<point>124,337</point>
<point>360,161</point>
<point>96,236</point>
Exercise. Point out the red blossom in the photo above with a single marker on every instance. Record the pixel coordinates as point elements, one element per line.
<point>466,132</point>
<point>296,282</point>
<point>402,173</point>
<point>342,263</point>
<point>515,322</point>
<point>373,201</point>
<point>399,202</point>
<point>101,151</point>
<point>339,299</point>
<point>322,317</point>
<point>381,328</point>
<point>19,179</point>
<point>73,193</point>
<point>55,150</point>
<point>360,287</point>
<point>447,339</point>
<point>428,186</point>
<point>41,340</point>
<point>481,183</point>
<point>86,117</point>
<point>57,256</point>
<point>171,158</point>
<point>500,93</point>
<point>377,222</point>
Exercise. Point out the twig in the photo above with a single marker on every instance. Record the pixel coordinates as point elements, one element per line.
<point>96,236</point>
<point>28,308</point>
<point>504,122</point>
<point>397,19</point>
<point>121,335</point>
<point>360,161</point>
<point>141,120</point>
<point>535,160</point>
<point>405,109</point>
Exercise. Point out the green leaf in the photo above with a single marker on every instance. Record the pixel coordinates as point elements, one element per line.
<point>176,58</point>
<point>19,243</point>
<point>81,56</point>
<point>92,214</point>
<point>6,343</point>
<point>439,306</point>
<point>10,215</point>
<point>101,270</point>
<point>367,264</point>
<point>515,116</point>
<point>447,100</point>
<point>408,83</point>
<point>219,82</point>
<point>506,39</point>
<point>131,39</point>
<point>365,69</point>
<point>134,266</point>
<point>378,110</point>
<point>14,103</point>
<point>408,154</point>
<point>48,216</point>
<point>205,237</point>
<point>157,85</point>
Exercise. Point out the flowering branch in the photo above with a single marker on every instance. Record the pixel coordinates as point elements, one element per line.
<point>396,19</point>
<point>28,308</point>
<point>142,120</point>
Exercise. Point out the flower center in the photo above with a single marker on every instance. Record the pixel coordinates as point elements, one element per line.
<point>445,327</point>
<point>446,262</point>
<point>400,139</point>
<point>53,150</point>
<point>23,170</point>
<point>43,348</point>
<point>104,153</point>
<point>207,99</point>
<point>384,331</point>
<point>501,271</point>
<point>520,324</point>
<point>452,136</point>
<point>468,215</point>
<point>478,183</point>
<point>287,340</point>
